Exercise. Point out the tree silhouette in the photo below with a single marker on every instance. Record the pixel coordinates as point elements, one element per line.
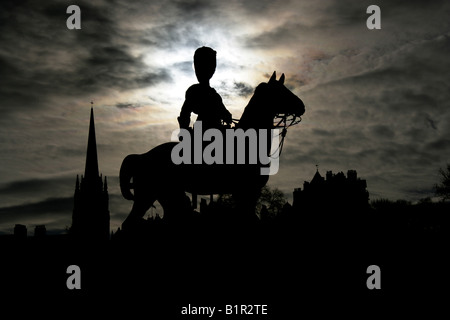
<point>442,189</point>
<point>273,199</point>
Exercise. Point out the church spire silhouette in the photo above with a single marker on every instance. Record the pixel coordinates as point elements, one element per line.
<point>90,218</point>
<point>91,171</point>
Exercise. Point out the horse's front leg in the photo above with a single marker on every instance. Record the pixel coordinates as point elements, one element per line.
<point>136,217</point>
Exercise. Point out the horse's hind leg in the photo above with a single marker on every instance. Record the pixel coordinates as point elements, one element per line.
<point>176,206</point>
<point>135,218</point>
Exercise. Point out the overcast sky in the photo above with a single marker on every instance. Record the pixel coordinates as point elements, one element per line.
<point>377,101</point>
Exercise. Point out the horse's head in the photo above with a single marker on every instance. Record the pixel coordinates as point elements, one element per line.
<point>280,99</point>
<point>271,99</point>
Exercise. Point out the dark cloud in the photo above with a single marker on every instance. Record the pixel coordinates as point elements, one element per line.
<point>128,105</point>
<point>26,188</point>
<point>195,9</point>
<point>185,67</point>
<point>259,7</point>
<point>431,122</point>
<point>114,68</point>
<point>243,89</point>
<point>439,144</point>
<point>281,36</point>
<point>382,131</point>
<point>323,133</point>
<point>55,61</point>
<point>49,210</point>
<point>388,119</point>
<point>48,206</point>
<point>30,186</point>
<point>173,35</point>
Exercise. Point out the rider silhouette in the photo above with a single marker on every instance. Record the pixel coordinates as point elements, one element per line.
<point>201,98</point>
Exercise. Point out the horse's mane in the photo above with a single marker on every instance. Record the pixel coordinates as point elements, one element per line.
<point>253,111</point>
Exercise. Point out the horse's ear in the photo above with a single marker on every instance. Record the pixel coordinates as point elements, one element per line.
<point>281,79</point>
<point>273,77</point>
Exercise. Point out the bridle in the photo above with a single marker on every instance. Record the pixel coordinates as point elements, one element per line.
<point>284,121</point>
<point>281,120</point>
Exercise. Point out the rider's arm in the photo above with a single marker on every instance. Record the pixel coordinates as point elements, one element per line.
<point>184,119</point>
<point>185,115</point>
<point>225,114</point>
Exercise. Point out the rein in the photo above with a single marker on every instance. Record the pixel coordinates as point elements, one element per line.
<point>286,121</point>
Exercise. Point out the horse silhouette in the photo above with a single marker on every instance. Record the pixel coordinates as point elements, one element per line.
<point>154,177</point>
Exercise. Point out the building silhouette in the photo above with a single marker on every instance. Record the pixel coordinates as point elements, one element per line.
<point>20,231</point>
<point>40,231</point>
<point>334,192</point>
<point>90,218</point>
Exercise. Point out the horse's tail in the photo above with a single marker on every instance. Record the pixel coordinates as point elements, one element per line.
<point>126,174</point>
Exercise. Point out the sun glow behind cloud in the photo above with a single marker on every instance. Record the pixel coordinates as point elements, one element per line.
<point>235,64</point>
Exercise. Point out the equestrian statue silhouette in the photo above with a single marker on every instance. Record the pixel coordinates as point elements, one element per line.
<point>153,176</point>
